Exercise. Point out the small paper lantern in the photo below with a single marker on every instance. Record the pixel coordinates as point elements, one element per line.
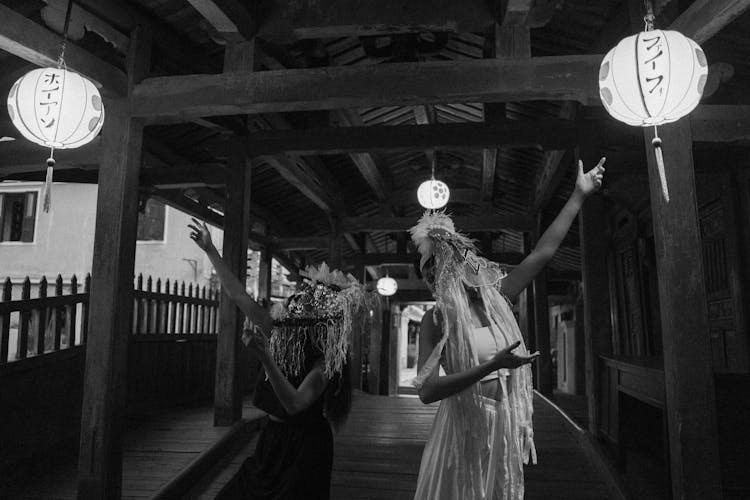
<point>653,78</point>
<point>387,286</point>
<point>433,194</point>
<point>56,108</point>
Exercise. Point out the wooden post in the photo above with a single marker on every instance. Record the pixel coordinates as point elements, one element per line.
<point>228,391</point>
<point>596,314</point>
<point>544,376</point>
<point>526,305</point>
<point>111,297</point>
<point>334,250</point>
<point>391,373</point>
<point>356,347</point>
<point>265,266</point>
<point>228,388</point>
<point>382,361</point>
<point>689,379</point>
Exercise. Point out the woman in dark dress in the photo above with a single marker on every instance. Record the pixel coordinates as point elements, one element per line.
<point>306,385</point>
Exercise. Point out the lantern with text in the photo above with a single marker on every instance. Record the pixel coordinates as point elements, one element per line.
<point>56,108</point>
<point>433,194</point>
<point>653,78</point>
<point>387,286</point>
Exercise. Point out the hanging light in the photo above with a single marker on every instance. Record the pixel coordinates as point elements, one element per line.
<point>56,108</point>
<point>653,78</point>
<point>433,194</point>
<point>387,286</point>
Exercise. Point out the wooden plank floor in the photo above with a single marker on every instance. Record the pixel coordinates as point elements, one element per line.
<point>377,454</point>
<point>157,448</point>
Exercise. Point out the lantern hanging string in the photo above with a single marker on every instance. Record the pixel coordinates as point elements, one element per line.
<point>47,204</point>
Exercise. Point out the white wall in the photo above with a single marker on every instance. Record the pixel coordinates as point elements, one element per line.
<point>64,241</point>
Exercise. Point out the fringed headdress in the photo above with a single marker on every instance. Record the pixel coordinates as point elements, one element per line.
<point>320,315</point>
<point>458,266</point>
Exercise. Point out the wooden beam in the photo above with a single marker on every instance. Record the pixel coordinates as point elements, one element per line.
<point>552,170</point>
<point>301,243</point>
<point>465,224</point>
<point>460,195</point>
<point>688,368</point>
<point>28,40</point>
<point>377,259</point>
<point>111,299</point>
<point>549,134</point>
<point>364,162</point>
<point>704,18</point>
<point>332,19</point>
<point>228,17</point>
<point>301,179</point>
<point>179,98</point>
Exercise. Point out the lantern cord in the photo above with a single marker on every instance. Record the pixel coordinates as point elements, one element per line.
<point>432,164</point>
<point>648,19</point>
<point>656,142</point>
<point>61,58</point>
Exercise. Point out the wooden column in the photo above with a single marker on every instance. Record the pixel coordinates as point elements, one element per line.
<point>265,266</point>
<point>383,360</point>
<point>689,380</point>
<point>392,372</point>
<point>356,347</point>
<point>111,298</point>
<point>334,249</point>
<point>596,312</point>
<point>526,305</point>
<point>544,376</point>
<point>228,388</point>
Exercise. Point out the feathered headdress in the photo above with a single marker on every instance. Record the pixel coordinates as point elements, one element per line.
<point>320,315</point>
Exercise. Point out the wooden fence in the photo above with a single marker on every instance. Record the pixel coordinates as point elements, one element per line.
<point>43,324</point>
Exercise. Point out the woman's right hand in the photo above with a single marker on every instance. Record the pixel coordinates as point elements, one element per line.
<point>507,359</point>
<point>200,235</point>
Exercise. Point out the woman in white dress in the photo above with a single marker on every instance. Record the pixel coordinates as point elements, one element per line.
<point>482,434</point>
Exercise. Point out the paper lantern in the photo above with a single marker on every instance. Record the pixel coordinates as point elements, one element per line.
<point>387,286</point>
<point>56,108</point>
<point>653,78</point>
<point>433,194</point>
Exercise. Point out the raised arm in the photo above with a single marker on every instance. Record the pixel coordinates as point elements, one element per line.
<point>436,387</point>
<point>229,282</point>
<point>293,400</point>
<point>520,277</point>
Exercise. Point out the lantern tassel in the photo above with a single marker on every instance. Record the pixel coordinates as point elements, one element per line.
<point>47,204</point>
<point>656,142</point>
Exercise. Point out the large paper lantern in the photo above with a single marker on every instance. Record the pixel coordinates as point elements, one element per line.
<point>653,78</point>
<point>56,108</point>
<point>433,194</point>
<point>387,286</point>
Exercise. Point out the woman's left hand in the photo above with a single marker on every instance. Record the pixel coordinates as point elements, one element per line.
<point>256,341</point>
<point>591,181</point>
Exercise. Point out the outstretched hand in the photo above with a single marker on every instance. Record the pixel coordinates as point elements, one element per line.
<point>200,235</point>
<point>507,359</point>
<point>255,340</point>
<point>591,181</point>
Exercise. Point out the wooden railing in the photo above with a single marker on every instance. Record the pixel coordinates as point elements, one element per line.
<point>43,324</point>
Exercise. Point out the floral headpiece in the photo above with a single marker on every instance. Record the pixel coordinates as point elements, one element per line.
<point>320,314</point>
<point>435,228</point>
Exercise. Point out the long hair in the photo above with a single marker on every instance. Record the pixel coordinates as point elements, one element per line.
<point>337,400</point>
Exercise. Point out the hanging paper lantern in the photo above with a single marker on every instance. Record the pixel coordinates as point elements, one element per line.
<point>653,78</point>
<point>433,194</point>
<point>56,108</point>
<point>387,286</point>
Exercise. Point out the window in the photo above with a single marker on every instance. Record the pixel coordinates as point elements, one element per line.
<point>17,216</point>
<point>151,222</point>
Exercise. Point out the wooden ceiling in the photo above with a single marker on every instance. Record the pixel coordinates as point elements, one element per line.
<point>350,102</point>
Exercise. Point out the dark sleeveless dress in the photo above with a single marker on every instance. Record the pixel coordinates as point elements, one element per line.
<point>293,458</point>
